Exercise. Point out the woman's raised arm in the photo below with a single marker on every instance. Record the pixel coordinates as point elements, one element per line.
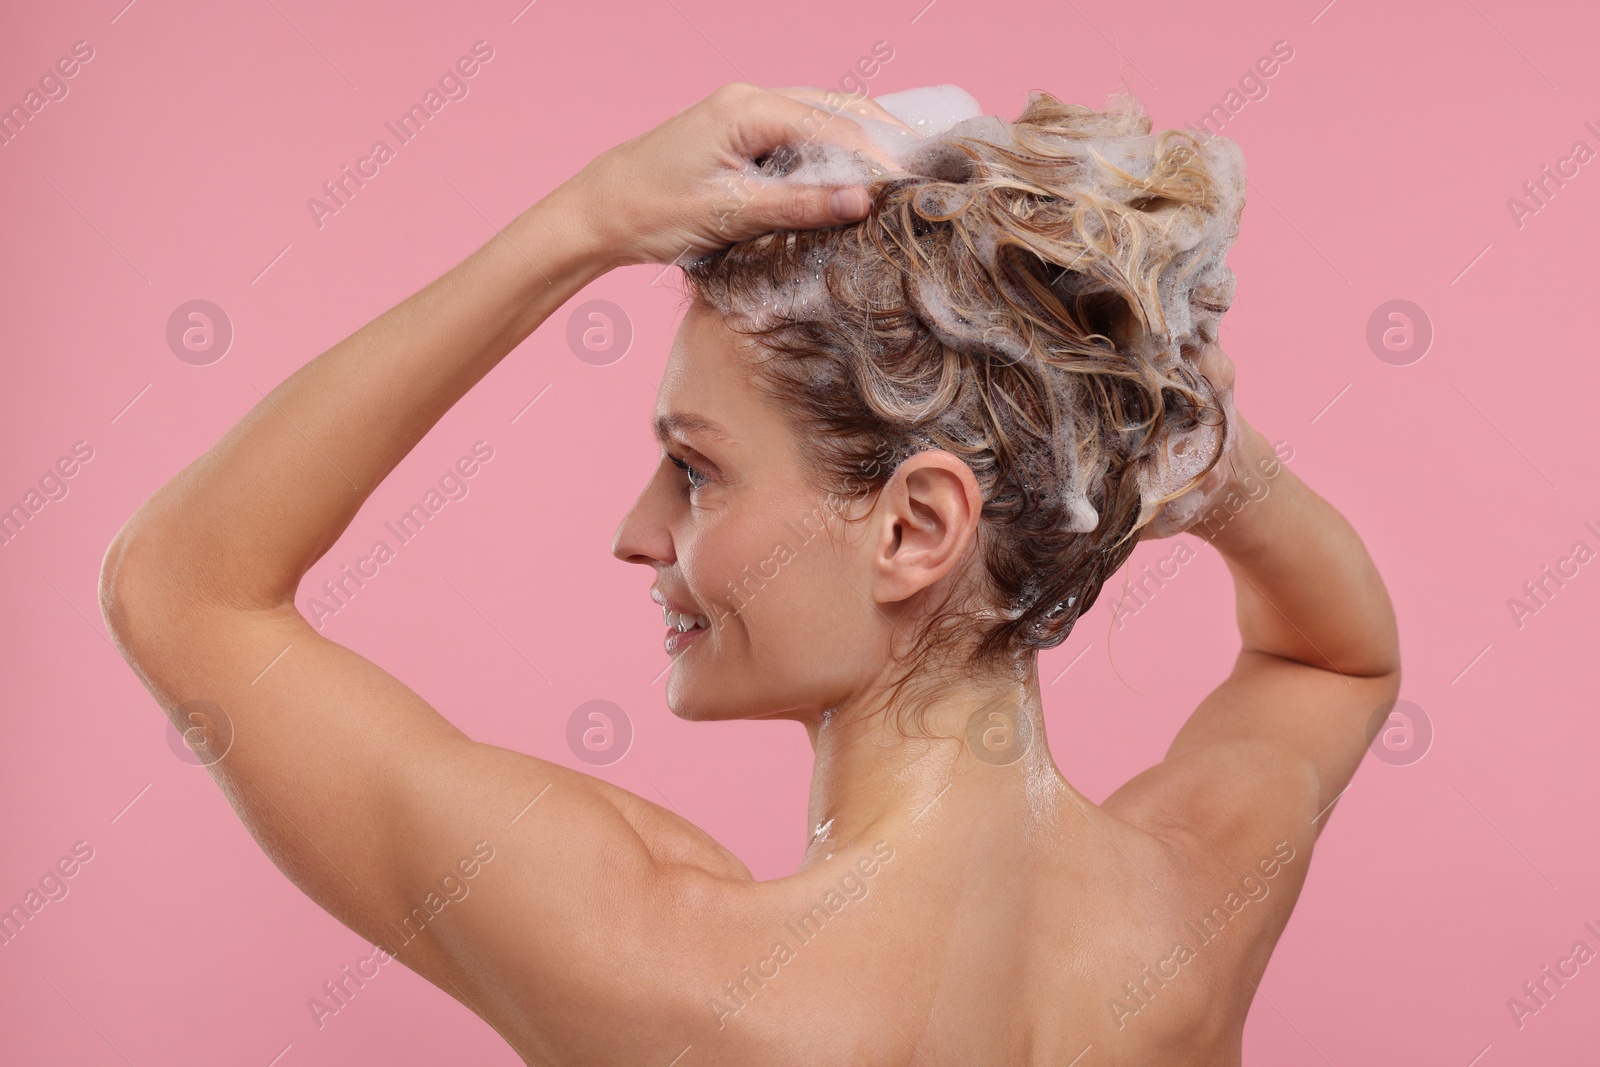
<point>1267,752</point>
<point>242,524</point>
<point>359,790</point>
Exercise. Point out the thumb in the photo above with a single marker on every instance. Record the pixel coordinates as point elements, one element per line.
<point>805,207</point>
<point>848,203</point>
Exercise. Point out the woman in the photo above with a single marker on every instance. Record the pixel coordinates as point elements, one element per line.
<point>965,492</point>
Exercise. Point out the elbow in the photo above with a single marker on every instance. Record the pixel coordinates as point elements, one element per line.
<point>159,605</point>
<point>1372,645</point>
<point>1387,638</point>
<point>150,620</point>
<point>112,589</point>
<point>135,593</point>
<point>1383,673</point>
<point>1377,655</point>
<point>123,593</point>
<point>123,569</point>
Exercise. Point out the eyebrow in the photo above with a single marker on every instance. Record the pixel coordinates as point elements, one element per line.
<point>687,423</point>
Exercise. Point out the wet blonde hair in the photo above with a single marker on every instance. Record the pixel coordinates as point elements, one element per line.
<point>1030,297</point>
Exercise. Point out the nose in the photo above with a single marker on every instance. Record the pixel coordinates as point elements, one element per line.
<point>644,536</point>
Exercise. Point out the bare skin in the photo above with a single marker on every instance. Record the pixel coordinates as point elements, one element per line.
<point>959,908</point>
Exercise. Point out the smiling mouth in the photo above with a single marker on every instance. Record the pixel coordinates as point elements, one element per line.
<point>682,622</point>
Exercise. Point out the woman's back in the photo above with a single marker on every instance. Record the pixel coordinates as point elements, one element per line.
<point>995,936</point>
<point>1005,920</point>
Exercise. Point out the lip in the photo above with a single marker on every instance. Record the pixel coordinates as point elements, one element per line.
<point>677,641</point>
<point>672,605</point>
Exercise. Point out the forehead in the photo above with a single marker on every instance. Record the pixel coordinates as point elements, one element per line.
<point>707,376</point>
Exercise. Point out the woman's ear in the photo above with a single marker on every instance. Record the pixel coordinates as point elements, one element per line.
<point>927,517</point>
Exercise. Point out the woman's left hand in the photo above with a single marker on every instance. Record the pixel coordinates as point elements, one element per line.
<point>690,185</point>
<point>1189,510</point>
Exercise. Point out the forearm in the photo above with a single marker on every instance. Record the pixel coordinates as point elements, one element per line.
<point>242,524</point>
<point>1306,588</point>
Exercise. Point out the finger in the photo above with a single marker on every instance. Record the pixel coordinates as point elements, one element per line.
<point>845,103</point>
<point>805,207</point>
<point>1217,367</point>
<point>771,119</point>
<point>1212,364</point>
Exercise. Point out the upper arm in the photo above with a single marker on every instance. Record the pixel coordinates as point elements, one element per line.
<point>1263,756</point>
<point>393,820</point>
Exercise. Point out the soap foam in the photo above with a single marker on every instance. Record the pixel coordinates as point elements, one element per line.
<point>932,109</point>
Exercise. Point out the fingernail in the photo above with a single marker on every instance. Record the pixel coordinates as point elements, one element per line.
<point>846,204</point>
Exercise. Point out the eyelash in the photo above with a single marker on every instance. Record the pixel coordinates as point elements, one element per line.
<point>690,471</point>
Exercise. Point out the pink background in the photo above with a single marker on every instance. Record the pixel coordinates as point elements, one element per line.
<point>1381,161</point>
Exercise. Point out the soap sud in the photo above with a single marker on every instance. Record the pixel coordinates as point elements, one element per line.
<point>932,109</point>
<point>1204,441</point>
<point>958,331</point>
<point>814,163</point>
<point>935,111</point>
<point>929,112</point>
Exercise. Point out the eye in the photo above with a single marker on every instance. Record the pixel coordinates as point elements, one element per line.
<point>695,479</point>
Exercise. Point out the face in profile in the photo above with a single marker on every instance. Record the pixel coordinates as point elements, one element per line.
<point>738,536</point>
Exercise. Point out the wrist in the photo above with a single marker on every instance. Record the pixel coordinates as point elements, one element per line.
<point>1233,520</point>
<point>568,216</point>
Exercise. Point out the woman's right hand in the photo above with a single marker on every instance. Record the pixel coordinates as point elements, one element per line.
<point>690,186</point>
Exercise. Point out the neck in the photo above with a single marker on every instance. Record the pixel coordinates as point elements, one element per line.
<point>869,775</point>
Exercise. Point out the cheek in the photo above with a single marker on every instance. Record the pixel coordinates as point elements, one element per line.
<point>779,575</point>
<point>724,563</point>
<point>809,603</point>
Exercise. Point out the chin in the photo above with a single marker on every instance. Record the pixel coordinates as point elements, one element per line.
<point>691,712</point>
<point>688,707</point>
<point>686,703</point>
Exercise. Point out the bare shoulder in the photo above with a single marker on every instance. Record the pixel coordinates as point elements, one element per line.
<point>1238,803</point>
